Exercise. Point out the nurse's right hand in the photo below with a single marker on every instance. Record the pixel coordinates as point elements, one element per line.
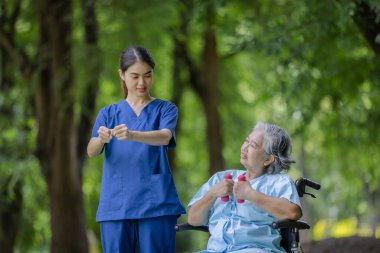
<point>105,134</point>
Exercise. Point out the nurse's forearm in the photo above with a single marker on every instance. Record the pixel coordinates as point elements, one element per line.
<point>155,138</point>
<point>198,213</point>
<point>94,146</point>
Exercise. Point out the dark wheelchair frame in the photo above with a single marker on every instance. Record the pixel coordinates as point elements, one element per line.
<point>289,229</point>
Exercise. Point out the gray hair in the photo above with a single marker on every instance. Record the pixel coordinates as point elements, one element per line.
<point>277,143</point>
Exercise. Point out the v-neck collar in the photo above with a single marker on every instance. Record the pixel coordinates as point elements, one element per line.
<point>142,110</point>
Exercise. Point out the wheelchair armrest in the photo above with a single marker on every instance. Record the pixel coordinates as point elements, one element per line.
<point>290,224</point>
<point>186,226</point>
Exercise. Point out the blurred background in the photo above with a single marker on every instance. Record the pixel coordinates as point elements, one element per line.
<point>311,67</point>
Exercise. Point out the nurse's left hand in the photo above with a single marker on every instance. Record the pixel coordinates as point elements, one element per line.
<point>242,189</point>
<point>122,133</point>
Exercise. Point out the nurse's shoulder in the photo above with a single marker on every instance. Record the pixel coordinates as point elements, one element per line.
<point>112,109</point>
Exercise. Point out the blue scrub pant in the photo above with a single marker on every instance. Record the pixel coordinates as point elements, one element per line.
<point>152,235</point>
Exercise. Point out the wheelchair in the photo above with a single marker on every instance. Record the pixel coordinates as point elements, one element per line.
<point>289,229</point>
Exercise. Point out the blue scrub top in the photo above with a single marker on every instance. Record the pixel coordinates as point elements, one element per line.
<point>137,181</point>
<point>239,227</point>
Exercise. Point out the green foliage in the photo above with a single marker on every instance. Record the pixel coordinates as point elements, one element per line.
<point>303,65</point>
<point>91,189</point>
<point>34,235</point>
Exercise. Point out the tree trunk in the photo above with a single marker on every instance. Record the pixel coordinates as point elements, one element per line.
<point>366,19</point>
<point>10,213</point>
<point>60,149</point>
<point>90,88</point>
<point>210,99</point>
<point>57,138</point>
<point>178,88</point>
<point>203,80</point>
<point>11,197</point>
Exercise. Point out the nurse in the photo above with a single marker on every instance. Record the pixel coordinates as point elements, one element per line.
<point>139,204</point>
<point>245,226</point>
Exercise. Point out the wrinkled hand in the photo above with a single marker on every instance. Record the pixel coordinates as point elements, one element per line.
<point>105,134</point>
<point>121,132</point>
<point>224,188</point>
<point>241,189</point>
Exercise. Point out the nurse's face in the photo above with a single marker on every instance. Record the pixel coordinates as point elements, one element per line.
<point>138,78</point>
<point>252,151</point>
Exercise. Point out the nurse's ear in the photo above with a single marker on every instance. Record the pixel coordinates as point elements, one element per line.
<point>121,74</point>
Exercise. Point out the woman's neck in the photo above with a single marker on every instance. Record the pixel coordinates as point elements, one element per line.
<point>138,101</point>
<point>253,174</point>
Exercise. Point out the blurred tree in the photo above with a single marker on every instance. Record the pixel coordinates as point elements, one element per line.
<point>202,70</point>
<point>318,51</point>
<point>367,18</point>
<point>10,212</point>
<point>311,67</point>
<point>61,137</point>
<point>12,143</point>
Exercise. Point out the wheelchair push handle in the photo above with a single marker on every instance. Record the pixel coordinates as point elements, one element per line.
<point>301,183</point>
<point>312,184</point>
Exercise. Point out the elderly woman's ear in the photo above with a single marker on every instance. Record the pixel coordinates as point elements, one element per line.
<point>269,160</point>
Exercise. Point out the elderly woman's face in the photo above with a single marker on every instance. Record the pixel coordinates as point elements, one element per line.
<point>252,151</point>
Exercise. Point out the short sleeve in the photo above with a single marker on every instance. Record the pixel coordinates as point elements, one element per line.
<point>285,188</point>
<point>101,120</point>
<point>169,121</point>
<point>201,192</point>
<point>216,178</point>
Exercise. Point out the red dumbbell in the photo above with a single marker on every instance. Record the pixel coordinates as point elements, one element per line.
<point>226,198</point>
<point>241,178</point>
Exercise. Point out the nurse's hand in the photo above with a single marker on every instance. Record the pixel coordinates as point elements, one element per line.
<point>122,133</point>
<point>242,189</point>
<point>105,134</point>
<point>224,188</point>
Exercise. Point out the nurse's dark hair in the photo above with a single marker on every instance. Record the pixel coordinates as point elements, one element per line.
<point>277,142</point>
<point>130,56</point>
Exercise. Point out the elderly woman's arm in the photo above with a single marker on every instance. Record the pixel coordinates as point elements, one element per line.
<point>198,212</point>
<point>278,207</point>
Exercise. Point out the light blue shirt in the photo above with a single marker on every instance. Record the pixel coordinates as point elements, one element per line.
<point>239,227</point>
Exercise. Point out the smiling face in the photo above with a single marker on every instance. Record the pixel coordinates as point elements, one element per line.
<point>252,156</point>
<point>138,79</point>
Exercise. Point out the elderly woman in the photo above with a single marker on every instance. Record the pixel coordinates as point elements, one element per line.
<point>242,221</point>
